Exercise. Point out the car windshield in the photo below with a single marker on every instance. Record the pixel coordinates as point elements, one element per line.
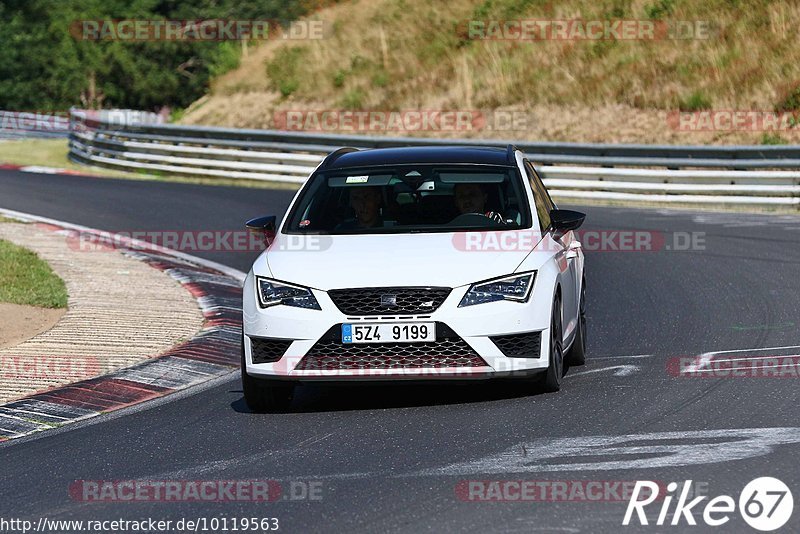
<point>411,198</point>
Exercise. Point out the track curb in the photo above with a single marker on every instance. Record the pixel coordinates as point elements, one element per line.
<point>212,352</point>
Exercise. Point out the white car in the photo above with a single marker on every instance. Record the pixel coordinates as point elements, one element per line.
<point>426,263</point>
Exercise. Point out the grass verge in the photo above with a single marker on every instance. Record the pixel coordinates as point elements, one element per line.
<point>27,279</point>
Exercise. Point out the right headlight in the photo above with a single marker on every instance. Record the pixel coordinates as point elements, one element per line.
<point>515,287</point>
<point>271,293</point>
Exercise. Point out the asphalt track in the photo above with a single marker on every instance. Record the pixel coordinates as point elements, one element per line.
<point>391,458</point>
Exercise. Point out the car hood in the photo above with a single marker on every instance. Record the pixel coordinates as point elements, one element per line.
<point>437,259</point>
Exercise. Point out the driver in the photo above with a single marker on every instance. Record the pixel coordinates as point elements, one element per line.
<point>366,203</point>
<point>471,198</point>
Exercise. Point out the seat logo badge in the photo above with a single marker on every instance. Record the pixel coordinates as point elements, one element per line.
<point>388,300</point>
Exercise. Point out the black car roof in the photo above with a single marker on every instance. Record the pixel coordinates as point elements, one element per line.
<point>350,157</point>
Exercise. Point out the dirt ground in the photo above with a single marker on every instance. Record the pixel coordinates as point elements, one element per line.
<point>18,323</point>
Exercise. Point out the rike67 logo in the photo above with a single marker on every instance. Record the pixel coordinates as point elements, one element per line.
<point>766,504</point>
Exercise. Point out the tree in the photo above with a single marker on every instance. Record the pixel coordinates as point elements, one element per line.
<point>47,66</point>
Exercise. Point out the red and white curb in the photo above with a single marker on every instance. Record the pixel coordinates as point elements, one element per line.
<point>212,352</point>
<point>40,169</point>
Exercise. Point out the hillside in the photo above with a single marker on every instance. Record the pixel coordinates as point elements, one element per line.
<point>402,55</point>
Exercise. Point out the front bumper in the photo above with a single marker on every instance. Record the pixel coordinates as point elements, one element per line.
<point>464,334</point>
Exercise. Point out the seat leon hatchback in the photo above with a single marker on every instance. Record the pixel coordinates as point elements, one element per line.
<point>423,263</point>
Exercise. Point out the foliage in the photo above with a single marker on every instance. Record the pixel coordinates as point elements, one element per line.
<point>46,66</point>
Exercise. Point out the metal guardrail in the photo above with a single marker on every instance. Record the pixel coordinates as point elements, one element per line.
<point>767,175</point>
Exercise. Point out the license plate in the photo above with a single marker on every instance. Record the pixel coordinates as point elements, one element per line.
<point>388,333</point>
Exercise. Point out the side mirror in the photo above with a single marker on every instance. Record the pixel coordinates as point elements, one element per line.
<point>564,221</point>
<point>262,224</point>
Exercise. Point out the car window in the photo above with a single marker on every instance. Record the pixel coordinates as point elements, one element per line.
<point>411,198</point>
<point>540,196</point>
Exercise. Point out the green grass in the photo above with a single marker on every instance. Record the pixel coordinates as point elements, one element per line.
<point>282,71</point>
<point>26,279</point>
<point>790,101</point>
<point>773,139</point>
<point>48,153</point>
<point>695,102</point>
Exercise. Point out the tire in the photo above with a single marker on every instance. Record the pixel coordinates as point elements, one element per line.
<point>555,370</point>
<point>577,352</point>
<point>263,396</point>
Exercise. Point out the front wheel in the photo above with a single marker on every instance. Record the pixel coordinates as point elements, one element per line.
<point>555,369</point>
<point>264,396</point>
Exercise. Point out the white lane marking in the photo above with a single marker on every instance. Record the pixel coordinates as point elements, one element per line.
<point>677,449</point>
<point>314,440</point>
<point>755,358</point>
<point>622,357</point>
<point>619,370</point>
<point>702,361</point>
<point>755,350</point>
<point>705,359</point>
<point>759,367</point>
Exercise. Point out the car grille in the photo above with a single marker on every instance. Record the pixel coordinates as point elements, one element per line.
<point>268,350</point>
<point>329,353</point>
<point>379,301</point>
<point>526,345</point>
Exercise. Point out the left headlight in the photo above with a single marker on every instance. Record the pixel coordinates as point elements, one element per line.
<point>516,288</point>
<point>272,293</point>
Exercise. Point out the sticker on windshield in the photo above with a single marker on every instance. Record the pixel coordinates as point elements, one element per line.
<point>357,179</point>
